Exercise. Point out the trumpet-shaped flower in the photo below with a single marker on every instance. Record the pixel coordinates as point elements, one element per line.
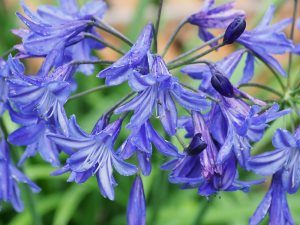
<point>94,155</point>
<point>285,158</point>
<point>10,176</point>
<point>56,32</point>
<point>210,17</point>
<point>275,204</point>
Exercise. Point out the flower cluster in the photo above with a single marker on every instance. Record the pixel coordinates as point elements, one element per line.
<point>221,121</point>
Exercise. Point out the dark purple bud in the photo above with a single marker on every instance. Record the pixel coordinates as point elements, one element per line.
<point>234,30</point>
<point>196,146</point>
<point>221,84</point>
<point>136,208</point>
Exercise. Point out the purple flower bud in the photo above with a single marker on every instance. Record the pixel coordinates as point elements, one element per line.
<point>136,209</point>
<point>221,84</point>
<point>196,146</point>
<point>234,30</point>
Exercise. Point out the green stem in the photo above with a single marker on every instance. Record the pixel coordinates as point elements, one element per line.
<point>101,62</point>
<point>119,103</point>
<point>202,212</point>
<point>78,95</point>
<point>266,88</point>
<point>171,39</point>
<point>192,59</point>
<point>197,48</point>
<point>30,203</point>
<point>277,76</point>
<point>157,25</point>
<point>111,30</point>
<point>102,41</point>
<point>6,53</point>
<point>292,38</point>
<point>180,140</point>
<point>197,91</point>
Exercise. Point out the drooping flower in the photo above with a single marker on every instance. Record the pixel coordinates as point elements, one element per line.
<point>265,40</point>
<point>285,158</point>
<point>56,32</point>
<point>94,154</point>
<point>227,66</point>
<point>239,125</point>
<point>159,89</point>
<point>136,208</point>
<point>10,176</point>
<point>211,18</point>
<point>274,204</point>
<point>3,86</point>
<point>134,60</point>
<point>140,143</point>
<point>42,95</point>
<point>202,171</point>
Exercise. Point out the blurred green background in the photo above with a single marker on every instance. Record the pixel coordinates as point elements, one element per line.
<point>62,203</point>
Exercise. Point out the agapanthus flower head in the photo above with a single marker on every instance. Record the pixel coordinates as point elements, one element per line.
<point>10,176</point>
<point>285,158</point>
<point>94,155</point>
<point>58,31</point>
<point>265,40</point>
<point>134,60</point>
<point>234,30</point>
<point>274,204</point>
<point>210,17</point>
<point>136,208</point>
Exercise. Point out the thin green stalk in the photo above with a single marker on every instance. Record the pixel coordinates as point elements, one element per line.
<point>203,210</point>
<point>30,203</point>
<point>171,39</point>
<point>277,76</point>
<point>102,41</point>
<point>292,38</point>
<point>192,59</point>
<point>197,48</point>
<point>195,90</point>
<point>111,30</point>
<point>101,62</point>
<point>156,28</point>
<point>119,103</point>
<point>266,88</point>
<point>180,140</point>
<point>6,53</point>
<point>89,91</point>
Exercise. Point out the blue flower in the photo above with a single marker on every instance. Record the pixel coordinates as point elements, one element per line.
<point>267,39</point>
<point>4,73</point>
<point>217,17</point>
<point>227,66</point>
<point>285,158</point>
<point>57,31</point>
<point>94,154</point>
<point>159,89</point>
<point>140,143</point>
<point>10,176</point>
<point>238,125</point>
<point>134,60</point>
<point>202,171</point>
<point>275,204</point>
<point>136,208</point>
<point>42,95</point>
